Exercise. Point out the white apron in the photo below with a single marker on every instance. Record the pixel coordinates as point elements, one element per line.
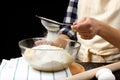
<point>97,49</point>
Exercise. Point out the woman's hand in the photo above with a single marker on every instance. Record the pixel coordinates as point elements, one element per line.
<point>38,42</point>
<point>87,27</point>
<point>59,42</point>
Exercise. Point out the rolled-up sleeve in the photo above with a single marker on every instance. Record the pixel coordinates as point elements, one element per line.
<point>70,17</point>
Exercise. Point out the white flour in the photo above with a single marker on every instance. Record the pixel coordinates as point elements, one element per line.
<point>52,30</point>
<point>51,59</point>
<point>51,36</point>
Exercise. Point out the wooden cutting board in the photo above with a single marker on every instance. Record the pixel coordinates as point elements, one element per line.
<point>76,68</point>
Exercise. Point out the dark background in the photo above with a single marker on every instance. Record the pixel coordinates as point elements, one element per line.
<point>22,22</point>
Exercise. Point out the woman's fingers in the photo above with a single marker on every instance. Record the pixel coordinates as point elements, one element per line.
<point>86,27</point>
<point>42,41</point>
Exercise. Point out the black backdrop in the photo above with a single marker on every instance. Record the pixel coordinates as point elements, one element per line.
<point>22,22</point>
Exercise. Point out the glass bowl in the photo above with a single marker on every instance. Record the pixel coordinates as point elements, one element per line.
<point>49,55</point>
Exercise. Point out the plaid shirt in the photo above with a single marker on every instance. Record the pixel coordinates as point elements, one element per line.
<point>70,17</point>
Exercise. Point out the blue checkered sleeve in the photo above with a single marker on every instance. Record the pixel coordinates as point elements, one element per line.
<point>70,17</point>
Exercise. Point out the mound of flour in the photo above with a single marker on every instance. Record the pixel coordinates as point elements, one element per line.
<point>48,58</point>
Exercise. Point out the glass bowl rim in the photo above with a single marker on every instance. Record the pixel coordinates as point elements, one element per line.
<point>38,38</point>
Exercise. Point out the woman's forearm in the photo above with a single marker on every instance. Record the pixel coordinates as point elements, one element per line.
<point>110,34</point>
